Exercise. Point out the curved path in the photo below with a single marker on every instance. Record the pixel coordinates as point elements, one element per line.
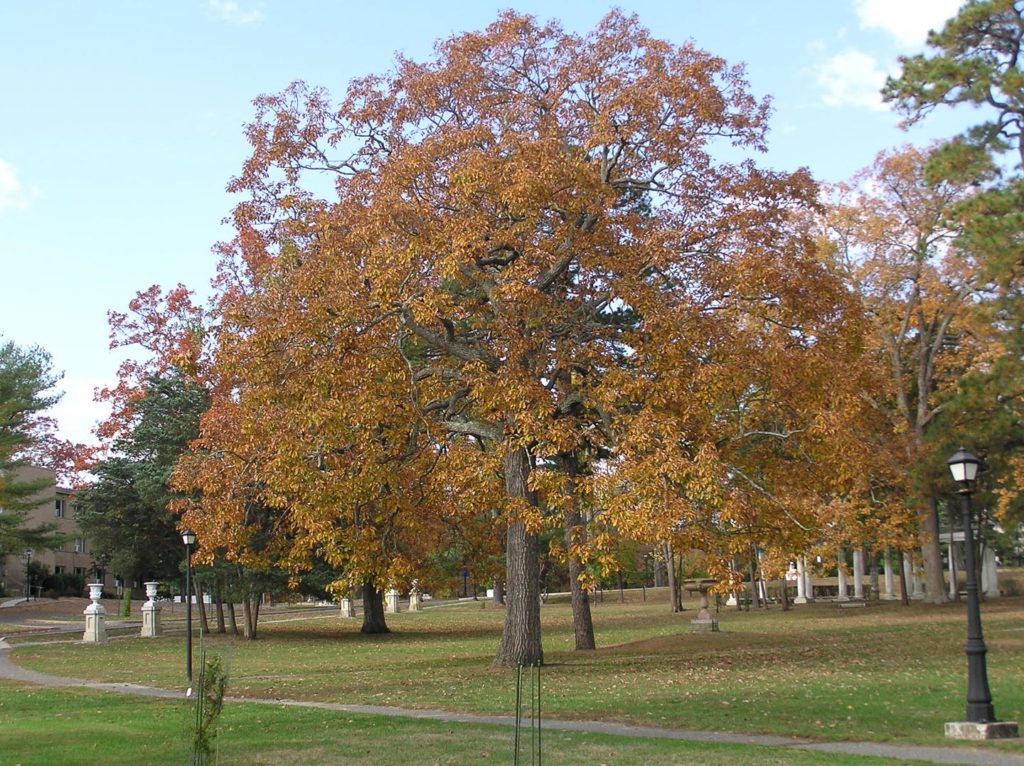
<point>925,754</point>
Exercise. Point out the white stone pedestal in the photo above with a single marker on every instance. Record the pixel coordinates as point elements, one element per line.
<point>391,602</point>
<point>971,730</point>
<point>347,608</point>
<point>95,617</point>
<point>414,601</point>
<point>151,612</point>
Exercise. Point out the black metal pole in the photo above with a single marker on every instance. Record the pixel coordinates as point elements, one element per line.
<point>979,698</point>
<point>188,613</point>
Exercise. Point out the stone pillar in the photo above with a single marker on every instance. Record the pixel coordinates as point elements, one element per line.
<point>801,582</point>
<point>731,601</point>
<point>989,574</point>
<point>391,602</point>
<point>151,612</point>
<point>858,574</point>
<point>888,595</point>
<point>809,577</point>
<point>914,587</point>
<point>414,601</point>
<point>908,576</point>
<point>347,608</point>
<point>843,593</point>
<point>95,616</point>
<point>704,622</point>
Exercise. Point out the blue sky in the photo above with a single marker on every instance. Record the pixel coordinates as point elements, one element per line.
<point>121,123</point>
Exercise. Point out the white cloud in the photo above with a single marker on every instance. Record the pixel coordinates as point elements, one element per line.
<point>13,195</point>
<point>852,78</point>
<point>907,20</point>
<point>234,13</point>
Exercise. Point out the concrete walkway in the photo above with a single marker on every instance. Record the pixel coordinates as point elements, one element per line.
<point>907,753</point>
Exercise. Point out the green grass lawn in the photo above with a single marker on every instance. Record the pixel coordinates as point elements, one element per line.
<point>884,673</point>
<point>73,727</point>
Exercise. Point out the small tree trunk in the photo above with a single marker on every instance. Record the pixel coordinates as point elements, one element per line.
<point>373,609</point>
<point>784,593</point>
<point>250,607</point>
<point>622,592</point>
<point>679,583</point>
<point>499,592</point>
<point>219,597</point>
<point>670,570</point>
<point>755,598</point>
<point>935,585</point>
<point>203,622</point>
<point>251,615</point>
<point>520,637</point>
<point>231,616</point>
<point>575,534</point>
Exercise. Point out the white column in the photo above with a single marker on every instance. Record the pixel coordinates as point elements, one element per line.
<point>414,601</point>
<point>888,595</point>
<point>391,602</point>
<point>858,574</point>
<point>989,574</point>
<point>843,594</point>
<point>809,576</point>
<point>801,582</point>
<point>347,608</point>
<point>151,612</point>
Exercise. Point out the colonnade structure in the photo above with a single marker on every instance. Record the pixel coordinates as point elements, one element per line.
<point>850,567</point>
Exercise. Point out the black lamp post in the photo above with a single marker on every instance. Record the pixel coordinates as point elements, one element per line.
<point>189,538</point>
<point>964,467</point>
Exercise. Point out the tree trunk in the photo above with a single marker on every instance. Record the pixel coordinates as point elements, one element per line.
<point>520,637</point>
<point>575,534</point>
<point>934,583</point>
<point>670,570</point>
<point>203,622</point>
<point>755,598</point>
<point>251,615</point>
<point>373,609</point>
<point>679,583</point>
<point>499,592</point>
<point>218,596</point>
<point>231,616</point>
<point>784,593</point>
<point>904,596</point>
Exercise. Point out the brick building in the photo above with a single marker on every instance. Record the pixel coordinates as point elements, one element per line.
<point>54,504</point>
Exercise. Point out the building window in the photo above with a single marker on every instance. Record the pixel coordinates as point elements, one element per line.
<point>60,548</point>
<point>80,571</point>
<point>58,507</point>
<point>58,569</point>
<point>79,545</point>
